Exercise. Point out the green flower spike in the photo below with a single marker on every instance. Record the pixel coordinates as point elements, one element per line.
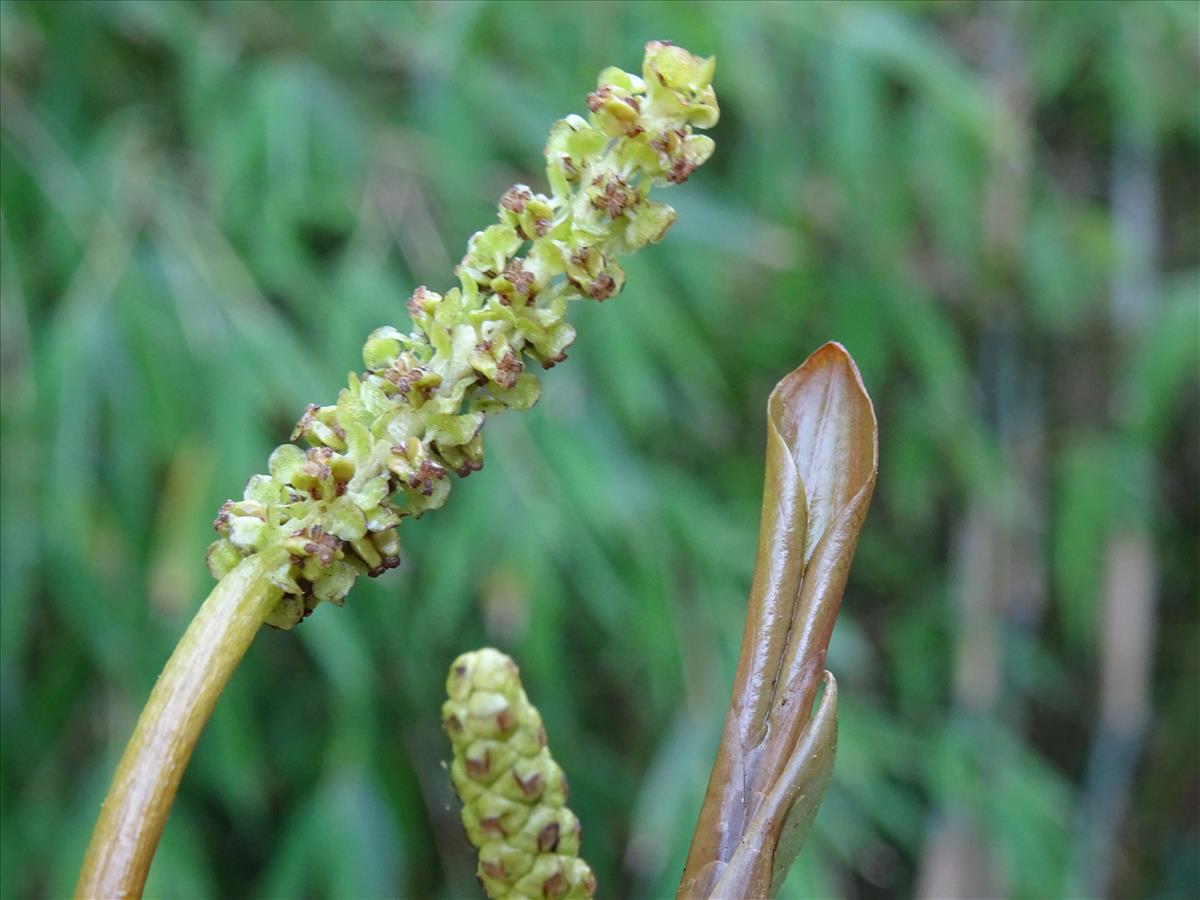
<point>385,449</point>
<point>513,792</point>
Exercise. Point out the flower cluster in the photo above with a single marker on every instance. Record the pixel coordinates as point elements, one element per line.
<point>385,449</point>
<point>513,792</point>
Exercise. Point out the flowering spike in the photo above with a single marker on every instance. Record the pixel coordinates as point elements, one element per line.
<point>513,792</point>
<point>385,449</point>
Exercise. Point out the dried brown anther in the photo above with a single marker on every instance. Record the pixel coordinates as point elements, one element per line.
<point>316,463</point>
<point>468,467</point>
<point>615,199</point>
<point>515,198</point>
<point>602,287</point>
<point>405,373</point>
<point>422,479</point>
<point>419,301</point>
<point>305,424</point>
<point>680,170</point>
<point>519,277</point>
<point>508,367</point>
<point>320,543</point>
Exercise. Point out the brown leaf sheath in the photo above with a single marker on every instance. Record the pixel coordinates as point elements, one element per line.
<point>787,812</point>
<point>822,454</point>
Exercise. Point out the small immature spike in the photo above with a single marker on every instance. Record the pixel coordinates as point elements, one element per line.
<point>514,794</point>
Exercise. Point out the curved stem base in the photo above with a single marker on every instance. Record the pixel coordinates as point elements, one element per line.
<point>134,812</point>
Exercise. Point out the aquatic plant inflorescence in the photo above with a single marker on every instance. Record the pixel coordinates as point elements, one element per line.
<point>384,450</point>
<point>514,794</point>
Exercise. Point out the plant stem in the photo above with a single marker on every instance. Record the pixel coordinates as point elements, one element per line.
<point>134,812</point>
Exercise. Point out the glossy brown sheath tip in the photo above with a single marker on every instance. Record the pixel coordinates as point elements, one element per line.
<point>776,757</point>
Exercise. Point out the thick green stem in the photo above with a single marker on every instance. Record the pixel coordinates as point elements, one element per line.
<point>138,802</point>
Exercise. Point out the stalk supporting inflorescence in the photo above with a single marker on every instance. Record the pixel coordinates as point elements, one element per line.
<point>135,810</point>
<point>383,451</point>
<point>513,792</point>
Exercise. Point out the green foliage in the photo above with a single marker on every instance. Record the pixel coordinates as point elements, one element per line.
<point>205,207</point>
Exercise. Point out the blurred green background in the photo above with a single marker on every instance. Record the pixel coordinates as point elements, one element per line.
<point>206,207</point>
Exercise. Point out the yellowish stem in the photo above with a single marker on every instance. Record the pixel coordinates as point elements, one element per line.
<point>134,812</point>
